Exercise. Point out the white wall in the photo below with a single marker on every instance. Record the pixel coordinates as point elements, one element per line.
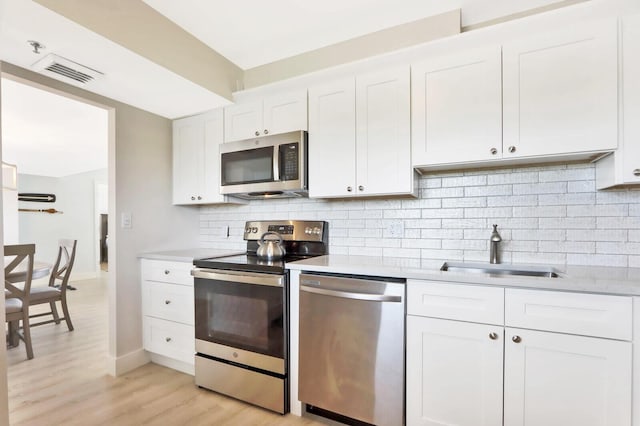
<point>140,184</point>
<point>10,216</point>
<point>4,392</point>
<point>549,214</point>
<point>75,197</point>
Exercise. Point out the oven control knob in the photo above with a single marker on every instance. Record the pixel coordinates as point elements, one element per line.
<point>316,231</point>
<point>255,230</point>
<point>307,230</point>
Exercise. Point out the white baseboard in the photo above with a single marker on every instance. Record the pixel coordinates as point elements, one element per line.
<point>184,367</point>
<point>118,366</point>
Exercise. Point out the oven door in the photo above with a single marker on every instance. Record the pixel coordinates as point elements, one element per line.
<point>241,317</point>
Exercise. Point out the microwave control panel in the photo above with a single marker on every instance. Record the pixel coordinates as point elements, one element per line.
<point>289,154</point>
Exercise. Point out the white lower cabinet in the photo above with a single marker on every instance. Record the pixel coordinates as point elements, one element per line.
<point>463,373</point>
<point>553,379</point>
<point>168,315</point>
<point>454,373</point>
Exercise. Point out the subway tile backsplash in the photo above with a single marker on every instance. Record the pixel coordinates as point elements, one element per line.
<point>550,214</point>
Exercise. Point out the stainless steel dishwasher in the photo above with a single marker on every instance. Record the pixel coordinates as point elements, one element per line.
<point>352,347</point>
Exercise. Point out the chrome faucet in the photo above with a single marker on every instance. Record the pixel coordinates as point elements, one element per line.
<point>494,254</point>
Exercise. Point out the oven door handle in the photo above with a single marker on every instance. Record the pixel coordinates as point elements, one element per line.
<point>240,277</point>
<point>350,295</point>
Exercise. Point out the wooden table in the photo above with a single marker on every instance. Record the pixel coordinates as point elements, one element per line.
<point>19,274</point>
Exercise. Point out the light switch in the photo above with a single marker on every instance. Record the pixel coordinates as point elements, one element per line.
<point>126,220</point>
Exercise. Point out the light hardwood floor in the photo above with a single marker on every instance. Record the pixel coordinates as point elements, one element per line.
<point>67,381</point>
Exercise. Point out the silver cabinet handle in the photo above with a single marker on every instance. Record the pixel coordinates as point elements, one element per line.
<point>512,149</point>
<point>349,189</point>
<point>167,339</point>
<point>516,339</point>
<point>257,133</point>
<point>193,198</point>
<point>493,336</point>
<point>199,197</point>
<point>166,302</point>
<point>493,151</point>
<point>636,172</point>
<point>349,295</point>
<point>266,132</point>
<point>167,272</point>
<point>361,188</point>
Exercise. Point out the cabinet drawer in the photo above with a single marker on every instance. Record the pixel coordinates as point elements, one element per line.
<point>172,302</point>
<point>456,301</point>
<point>168,272</point>
<point>170,339</point>
<point>575,313</point>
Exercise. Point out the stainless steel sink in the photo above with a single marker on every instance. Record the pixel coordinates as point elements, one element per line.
<point>500,269</point>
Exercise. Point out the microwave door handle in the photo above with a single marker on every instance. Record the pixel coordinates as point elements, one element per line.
<point>276,163</point>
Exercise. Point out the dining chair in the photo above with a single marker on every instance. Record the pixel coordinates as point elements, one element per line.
<point>17,299</point>
<point>56,292</point>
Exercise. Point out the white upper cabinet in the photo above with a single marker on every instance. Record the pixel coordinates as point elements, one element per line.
<point>623,167</point>
<point>457,108</point>
<point>196,162</point>
<point>383,133</point>
<point>332,139</point>
<point>560,91</point>
<point>359,136</point>
<point>269,116</point>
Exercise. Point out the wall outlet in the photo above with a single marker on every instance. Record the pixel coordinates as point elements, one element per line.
<point>126,221</point>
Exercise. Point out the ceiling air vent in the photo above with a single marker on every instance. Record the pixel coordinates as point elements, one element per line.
<point>64,69</point>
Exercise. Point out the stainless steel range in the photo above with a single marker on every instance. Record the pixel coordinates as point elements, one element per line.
<point>242,314</point>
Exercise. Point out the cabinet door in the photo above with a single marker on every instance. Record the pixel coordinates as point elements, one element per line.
<point>560,92</point>
<point>243,121</point>
<point>332,139</point>
<point>383,134</point>
<point>454,373</point>
<point>188,163</point>
<point>285,113</point>
<point>631,99</point>
<point>457,108</point>
<point>554,379</point>
<point>213,128</point>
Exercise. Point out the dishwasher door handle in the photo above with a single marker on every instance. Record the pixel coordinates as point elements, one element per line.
<point>350,295</point>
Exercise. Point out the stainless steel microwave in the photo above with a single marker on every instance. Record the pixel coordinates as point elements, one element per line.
<point>272,166</point>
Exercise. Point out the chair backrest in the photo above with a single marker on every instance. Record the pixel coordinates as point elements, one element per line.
<point>13,274</point>
<point>64,262</point>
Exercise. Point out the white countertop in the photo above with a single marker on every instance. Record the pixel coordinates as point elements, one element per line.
<point>591,279</point>
<point>188,255</point>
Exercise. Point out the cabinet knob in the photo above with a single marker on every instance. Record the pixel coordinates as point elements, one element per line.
<point>512,149</point>
<point>493,336</point>
<point>193,198</point>
<point>636,172</point>
<point>257,133</point>
<point>167,339</point>
<point>361,188</point>
<point>167,272</point>
<point>266,132</point>
<point>199,197</point>
<point>166,302</point>
<point>349,189</point>
<point>493,151</point>
<point>516,339</point>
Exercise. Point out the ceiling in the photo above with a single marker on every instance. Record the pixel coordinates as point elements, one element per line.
<point>44,128</point>
<point>51,135</point>
<point>251,33</point>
